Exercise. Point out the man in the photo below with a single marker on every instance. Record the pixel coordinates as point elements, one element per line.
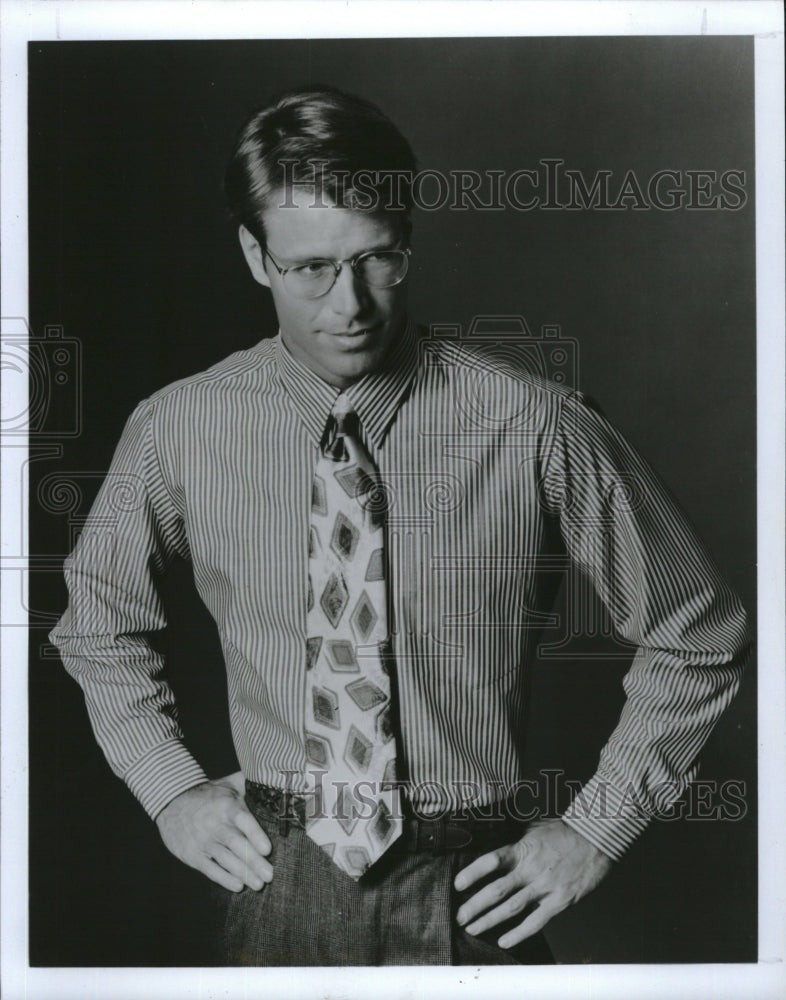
<point>377,563</point>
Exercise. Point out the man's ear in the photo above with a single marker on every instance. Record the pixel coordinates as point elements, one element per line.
<point>254,255</point>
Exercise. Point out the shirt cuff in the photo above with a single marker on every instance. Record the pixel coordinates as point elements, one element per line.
<point>607,817</point>
<point>162,774</point>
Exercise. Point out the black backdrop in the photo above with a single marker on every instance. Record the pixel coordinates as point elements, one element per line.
<point>132,256</point>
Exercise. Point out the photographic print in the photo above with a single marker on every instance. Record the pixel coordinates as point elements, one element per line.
<point>391,497</point>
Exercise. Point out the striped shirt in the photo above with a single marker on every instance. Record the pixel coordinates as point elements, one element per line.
<point>494,478</point>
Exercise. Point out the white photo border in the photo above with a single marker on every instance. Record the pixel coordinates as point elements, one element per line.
<point>72,20</point>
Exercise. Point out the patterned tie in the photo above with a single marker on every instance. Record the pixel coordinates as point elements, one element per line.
<point>354,812</point>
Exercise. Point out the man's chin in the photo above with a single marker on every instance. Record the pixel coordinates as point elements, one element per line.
<point>350,366</point>
<point>352,357</point>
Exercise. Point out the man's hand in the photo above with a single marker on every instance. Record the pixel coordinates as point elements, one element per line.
<point>551,865</point>
<point>210,828</point>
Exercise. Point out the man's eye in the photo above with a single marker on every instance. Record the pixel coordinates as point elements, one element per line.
<point>313,269</point>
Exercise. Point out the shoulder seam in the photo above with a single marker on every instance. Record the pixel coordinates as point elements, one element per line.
<point>215,373</point>
<point>157,458</point>
<point>465,358</point>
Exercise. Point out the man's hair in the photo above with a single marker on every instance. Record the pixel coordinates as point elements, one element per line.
<point>341,147</point>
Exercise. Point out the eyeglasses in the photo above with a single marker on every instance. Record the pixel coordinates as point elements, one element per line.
<point>314,278</point>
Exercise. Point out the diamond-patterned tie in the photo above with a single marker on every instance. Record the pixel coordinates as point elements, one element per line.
<point>350,743</point>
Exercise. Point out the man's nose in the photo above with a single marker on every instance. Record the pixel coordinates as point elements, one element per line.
<point>349,294</point>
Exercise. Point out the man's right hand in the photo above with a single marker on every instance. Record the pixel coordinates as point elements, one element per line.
<point>210,828</point>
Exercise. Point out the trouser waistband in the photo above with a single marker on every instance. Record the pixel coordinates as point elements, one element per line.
<point>451,832</point>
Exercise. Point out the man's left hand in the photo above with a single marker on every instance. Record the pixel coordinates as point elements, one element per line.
<point>551,866</point>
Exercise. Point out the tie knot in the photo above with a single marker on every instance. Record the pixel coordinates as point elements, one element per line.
<point>343,422</point>
<point>343,413</point>
<point>347,424</point>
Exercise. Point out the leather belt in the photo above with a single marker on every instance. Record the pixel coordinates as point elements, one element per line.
<point>446,833</point>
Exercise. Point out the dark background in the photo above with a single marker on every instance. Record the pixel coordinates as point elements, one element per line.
<point>132,255</point>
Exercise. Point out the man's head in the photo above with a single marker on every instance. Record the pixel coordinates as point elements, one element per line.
<point>324,175</point>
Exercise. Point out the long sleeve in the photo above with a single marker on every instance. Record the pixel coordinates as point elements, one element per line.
<point>663,594</point>
<point>133,531</point>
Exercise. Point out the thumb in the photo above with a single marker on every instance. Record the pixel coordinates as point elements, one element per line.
<point>236,781</point>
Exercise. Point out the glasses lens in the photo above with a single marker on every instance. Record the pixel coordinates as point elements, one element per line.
<point>384,268</point>
<point>310,280</point>
<point>380,269</point>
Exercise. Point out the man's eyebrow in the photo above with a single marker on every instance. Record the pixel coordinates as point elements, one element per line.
<point>391,244</point>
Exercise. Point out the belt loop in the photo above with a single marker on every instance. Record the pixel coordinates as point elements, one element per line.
<point>286,815</point>
<point>295,810</point>
<point>458,834</point>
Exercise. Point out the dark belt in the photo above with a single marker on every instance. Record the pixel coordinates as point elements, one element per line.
<point>420,833</point>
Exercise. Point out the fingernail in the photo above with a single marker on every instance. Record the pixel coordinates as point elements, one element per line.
<point>503,942</point>
<point>461,916</point>
<point>460,883</point>
<point>472,929</point>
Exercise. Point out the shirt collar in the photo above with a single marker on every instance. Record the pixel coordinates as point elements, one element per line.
<point>376,397</point>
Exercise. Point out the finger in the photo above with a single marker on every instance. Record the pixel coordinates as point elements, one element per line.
<point>490,895</point>
<point>247,824</point>
<point>535,922</point>
<point>243,849</point>
<point>219,875</point>
<point>480,867</point>
<point>236,866</point>
<point>512,906</point>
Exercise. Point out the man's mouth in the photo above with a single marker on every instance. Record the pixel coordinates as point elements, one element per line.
<point>356,337</point>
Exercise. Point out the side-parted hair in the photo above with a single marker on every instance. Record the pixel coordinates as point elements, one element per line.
<point>338,146</point>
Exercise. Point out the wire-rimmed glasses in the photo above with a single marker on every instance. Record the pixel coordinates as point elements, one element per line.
<point>313,278</point>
